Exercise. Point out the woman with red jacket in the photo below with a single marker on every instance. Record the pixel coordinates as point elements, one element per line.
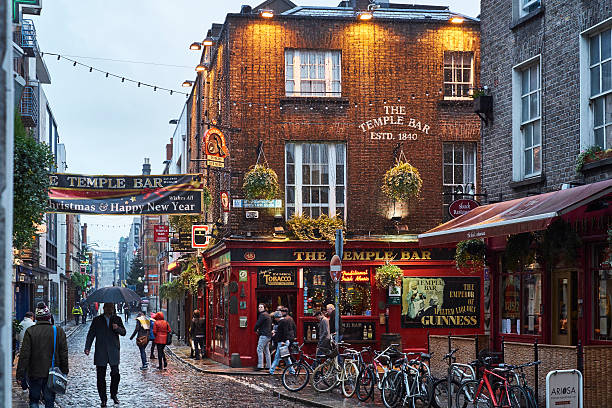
<point>161,329</point>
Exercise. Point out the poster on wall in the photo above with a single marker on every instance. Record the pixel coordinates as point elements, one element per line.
<point>441,302</point>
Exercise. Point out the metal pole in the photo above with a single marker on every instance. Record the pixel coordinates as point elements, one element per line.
<point>536,358</point>
<point>339,252</point>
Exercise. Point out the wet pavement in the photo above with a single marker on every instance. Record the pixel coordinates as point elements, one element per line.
<point>177,386</point>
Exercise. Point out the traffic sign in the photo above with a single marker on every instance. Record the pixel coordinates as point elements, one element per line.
<point>335,267</point>
<point>200,236</point>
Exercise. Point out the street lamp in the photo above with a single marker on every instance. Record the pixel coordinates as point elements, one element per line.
<point>187,83</point>
<point>266,13</point>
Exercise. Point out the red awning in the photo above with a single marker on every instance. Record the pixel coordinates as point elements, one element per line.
<point>516,216</point>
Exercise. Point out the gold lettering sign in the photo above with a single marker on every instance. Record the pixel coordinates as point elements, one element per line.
<point>355,276</point>
<point>274,277</point>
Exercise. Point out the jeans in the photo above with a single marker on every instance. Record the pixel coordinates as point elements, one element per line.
<point>76,319</point>
<point>263,350</point>
<point>143,355</point>
<point>38,386</point>
<point>161,355</point>
<point>101,381</point>
<point>198,343</point>
<point>277,356</point>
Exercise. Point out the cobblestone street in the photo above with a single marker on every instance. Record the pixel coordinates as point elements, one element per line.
<point>178,386</point>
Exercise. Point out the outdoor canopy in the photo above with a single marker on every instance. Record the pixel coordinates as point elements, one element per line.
<point>515,216</point>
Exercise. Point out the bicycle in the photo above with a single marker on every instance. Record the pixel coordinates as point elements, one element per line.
<point>297,374</point>
<point>409,384</point>
<point>519,373</point>
<point>492,390</point>
<point>331,373</point>
<point>459,373</point>
<point>370,376</point>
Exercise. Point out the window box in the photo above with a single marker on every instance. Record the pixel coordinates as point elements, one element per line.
<point>483,104</point>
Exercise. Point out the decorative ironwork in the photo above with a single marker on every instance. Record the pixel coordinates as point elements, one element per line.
<point>29,107</point>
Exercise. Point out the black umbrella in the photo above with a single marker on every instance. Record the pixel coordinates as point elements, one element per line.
<point>113,294</point>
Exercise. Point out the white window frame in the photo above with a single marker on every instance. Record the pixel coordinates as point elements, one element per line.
<point>297,185</point>
<point>524,7</point>
<point>587,105</point>
<point>297,79</point>
<point>454,83</point>
<point>518,141</point>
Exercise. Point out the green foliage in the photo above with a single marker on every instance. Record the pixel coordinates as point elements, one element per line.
<point>519,251</point>
<point>470,253</point>
<point>32,164</point>
<point>192,275</point>
<point>593,153</point>
<point>558,243</point>
<point>388,275</point>
<point>402,182</point>
<point>172,290</point>
<point>322,228</point>
<point>261,183</point>
<point>136,275</point>
<point>184,222</point>
<point>79,280</point>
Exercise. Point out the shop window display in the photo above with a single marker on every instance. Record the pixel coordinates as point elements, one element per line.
<point>355,292</point>
<point>521,302</point>
<point>602,296</point>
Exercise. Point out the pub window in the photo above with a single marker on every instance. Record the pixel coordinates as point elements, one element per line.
<point>313,73</point>
<point>600,98</point>
<point>521,301</point>
<point>459,173</point>
<point>458,74</point>
<point>602,295</point>
<point>315,179</point>
<point>355,291</point>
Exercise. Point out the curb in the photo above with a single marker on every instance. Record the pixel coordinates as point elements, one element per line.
<point>205,371</point>
<point>287,397</point>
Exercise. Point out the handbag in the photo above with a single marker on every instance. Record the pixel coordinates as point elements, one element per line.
<point>57,381</point>
<point>284,351</point>
<point>169,337</point>
<point>142,341</point>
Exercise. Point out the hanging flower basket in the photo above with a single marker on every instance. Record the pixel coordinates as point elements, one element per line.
<point>470,253</point>
<point>388,275</point>
<point>322,228</point>
<point>402,182</point>
<point>260,183</point>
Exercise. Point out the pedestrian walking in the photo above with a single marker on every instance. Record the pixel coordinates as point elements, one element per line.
<point>152,336</point>
<point>37,353</point>
<point>84,313</point>
<point>331,314</point>
<point>27,322</point>
<point>162,331</point>
<point>106,329</point>
<point>198,332</point>
<point>324,343</point>
<point>142,331</point>
<point>263,328</point>
<point>76,313</point>
<point>283,338</point>
<point>291,335</point>
<point>126,311</point>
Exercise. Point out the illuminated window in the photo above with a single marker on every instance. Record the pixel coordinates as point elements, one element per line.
<point>458,74</point>
<point>312,73</point>
<point>315,179</point>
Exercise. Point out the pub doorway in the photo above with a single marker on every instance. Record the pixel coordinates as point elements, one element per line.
<point>564,307</point>
<point>273,298</point>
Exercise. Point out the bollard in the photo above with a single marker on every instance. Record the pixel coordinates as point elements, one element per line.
<point>449,342</point>
<point>580,357</point>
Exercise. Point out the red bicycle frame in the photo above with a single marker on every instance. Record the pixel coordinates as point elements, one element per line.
<point>485,381</point>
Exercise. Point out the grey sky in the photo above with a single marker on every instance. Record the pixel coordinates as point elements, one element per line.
<point>108,127</point>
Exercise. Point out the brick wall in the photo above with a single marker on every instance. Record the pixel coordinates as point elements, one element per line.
<point>553,34</point>
<point>384,63</point>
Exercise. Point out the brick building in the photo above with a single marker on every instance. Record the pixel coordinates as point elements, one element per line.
<point>329,101</point>
<point>547,69</point>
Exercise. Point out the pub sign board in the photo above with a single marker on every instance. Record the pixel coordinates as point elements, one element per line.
<point>441,302</point>
<point>276,278</point>
<point>461,207</point>
<point>350,255</point>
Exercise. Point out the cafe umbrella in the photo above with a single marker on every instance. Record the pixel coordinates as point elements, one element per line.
<point>113,294</point>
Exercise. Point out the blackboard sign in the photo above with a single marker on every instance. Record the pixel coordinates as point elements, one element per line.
<point>276,278</point>
<point>441,302</point>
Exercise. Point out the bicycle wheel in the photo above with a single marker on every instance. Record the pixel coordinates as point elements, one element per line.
<point>298,379</point>
<point>518,398</point>
<point>531,395</point>
<point>466,396</point>
<point>325,376</point>
<point>439,393</point>
<point>349,378</point>
<point>392,389</point>
<point>365,384</point>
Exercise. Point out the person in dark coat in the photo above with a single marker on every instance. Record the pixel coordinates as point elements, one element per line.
<point>106,329</point>
<point>142,331</point>
<point>283,337</point>
<point>291,327</point>
<point>324,344</point>
<point>36,354</point>
<point>263,328</point>
<point>126,311</point>
<point>198,332</point>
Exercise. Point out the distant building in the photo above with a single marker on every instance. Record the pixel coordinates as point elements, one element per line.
<point>122,259</point>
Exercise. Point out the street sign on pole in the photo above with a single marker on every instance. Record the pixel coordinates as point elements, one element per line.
<point>336,262</point>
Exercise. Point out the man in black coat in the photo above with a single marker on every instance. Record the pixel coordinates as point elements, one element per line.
<point>106,329</point>
<point>263,328</point>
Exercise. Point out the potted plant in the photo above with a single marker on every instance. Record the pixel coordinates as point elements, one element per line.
<point>470,253</point>
<point>590,155</point>
<point>260,183</point>
<point>308,228</point>
<point>483,102</point>
<point>402,182</point>
<point>388,275</point>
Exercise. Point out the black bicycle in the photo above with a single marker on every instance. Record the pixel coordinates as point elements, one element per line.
<point>297,374</point>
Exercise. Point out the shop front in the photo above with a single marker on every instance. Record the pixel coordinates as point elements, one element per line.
<point>433,297</point>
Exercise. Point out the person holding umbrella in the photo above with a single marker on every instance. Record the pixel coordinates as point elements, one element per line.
<point>106,329</point>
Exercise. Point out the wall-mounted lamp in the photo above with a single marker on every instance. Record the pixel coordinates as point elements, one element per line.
<point>208,41</point>
<point>200,68</point>
<point>266,13</point>
<point>365,15</point>
<point>173,122</point>
<point>195,46</point>
<point>457,20</point>
<point>187,84</point>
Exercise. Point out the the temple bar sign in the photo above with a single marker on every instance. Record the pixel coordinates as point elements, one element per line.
<point>367,255</point>
<point>394,115</point>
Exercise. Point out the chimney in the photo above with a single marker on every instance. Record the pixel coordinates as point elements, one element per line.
<point>146,167</point>
<point>84,234</point>
<point>169,149</point>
